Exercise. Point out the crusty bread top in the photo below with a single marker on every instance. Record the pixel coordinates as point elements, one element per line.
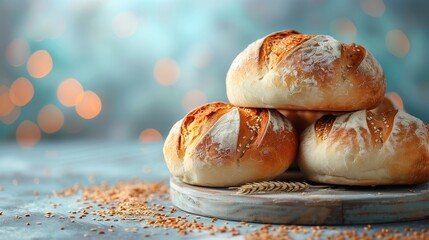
<point>235,129</point>
<point>379,125</point>
<point>277,45</point>
<point>293,71</point>
<point>363,148</point>
<point>394,133</point>
<point>310,53</point>
<point>199,121</point>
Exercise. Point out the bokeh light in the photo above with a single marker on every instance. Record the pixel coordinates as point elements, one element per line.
<point>21,91</point>
<point>374,8</point>
<point>68,92</point>
<point>344,26</point>
<point>166,71</point>
<point>88,105</point>
<point>193,99</point>
<point>151,62</point>
<point>124,24</point>
<point>17,52</point>
<point>39,64</point>
<point>12,116</point>
<point>50,119</point>
<point>397,43</point>
<point>6,105</point>
<point>28,134</point>
<point>150,135</point>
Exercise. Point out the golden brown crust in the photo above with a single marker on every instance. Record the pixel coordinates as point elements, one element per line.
<point>276,45</point>
<point>380,125</point>
<point>323,127</point>
<point>223,145</point>
<point>198,121</point>
<point>293,71</point>
<point>352,56</point>
<point>253,121</point>
<point>412,149</point>
<point>363,148</point>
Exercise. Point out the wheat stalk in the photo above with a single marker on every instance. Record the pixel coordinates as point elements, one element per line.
<point>271,187</point>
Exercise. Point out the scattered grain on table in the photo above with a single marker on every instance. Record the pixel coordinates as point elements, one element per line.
<point>136,201</point>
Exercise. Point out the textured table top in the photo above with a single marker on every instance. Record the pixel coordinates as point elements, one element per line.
<point>28,178</point>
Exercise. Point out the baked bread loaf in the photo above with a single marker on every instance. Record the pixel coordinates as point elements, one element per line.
<point>220,145</point>
<point>290,70</point>
<point>363,148</point>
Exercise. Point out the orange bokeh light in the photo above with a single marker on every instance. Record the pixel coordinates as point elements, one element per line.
<point>39,64</point>
<point>344,27</point>
<point>28,134</point>
<point>12,116</point>
<point>6,105</point>
<point>68,92</point>
<point>166,71</point>
<point>397,42</point>
<point>193,99</point>
<point>21,91</point>
<point>89,105</point>
<point>150,135</point>
<point>374,8</point>
<point>50,119</point>
<point>17,52</point>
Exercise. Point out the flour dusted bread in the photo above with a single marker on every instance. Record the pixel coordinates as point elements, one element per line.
<point>289,70</point>
<point>220,145</point>
<point>364,148</point>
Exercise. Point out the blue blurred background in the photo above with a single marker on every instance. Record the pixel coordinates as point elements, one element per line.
<point>104,69</point>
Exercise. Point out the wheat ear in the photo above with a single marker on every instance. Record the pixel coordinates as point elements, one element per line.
<point>271,187</point>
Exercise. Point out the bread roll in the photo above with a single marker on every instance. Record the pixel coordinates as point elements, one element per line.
<point>289,70</point>
<point>219,145</point>
<point>363,148</point>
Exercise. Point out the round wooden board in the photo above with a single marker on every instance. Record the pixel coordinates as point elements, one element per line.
<point>334,205</point>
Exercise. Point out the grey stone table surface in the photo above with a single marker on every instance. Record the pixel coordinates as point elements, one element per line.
<point>28,176</point>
